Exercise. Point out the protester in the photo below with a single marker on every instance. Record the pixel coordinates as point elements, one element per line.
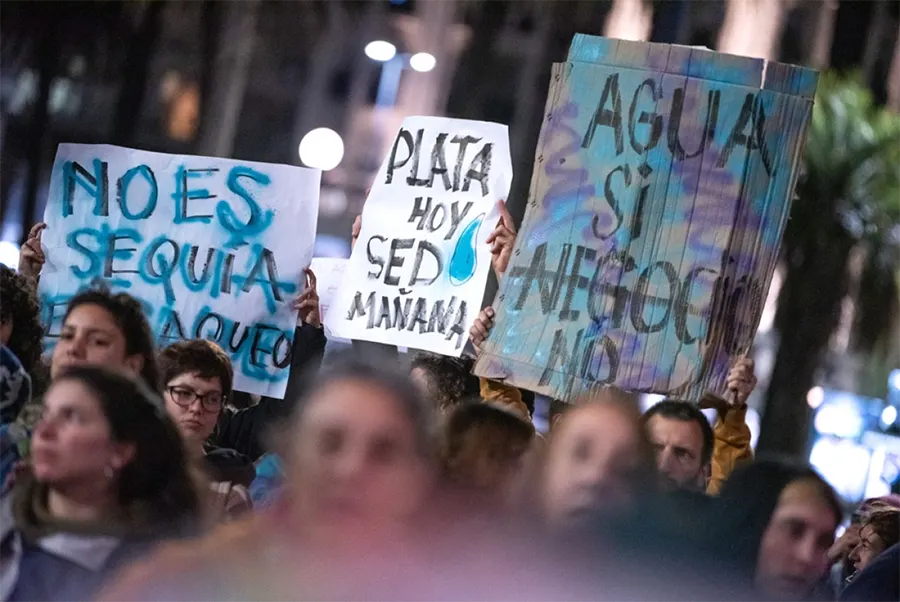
<point>445,381</point>
<point>879,581</point>
<point>15,392</point>
<point>108,480</point>
<point>839,553</point>
<point>20,325</point>
<point>878,531</point>
<point>359,457</point>
<point>598,459</point>
<point>772,528</point>
<point>483,453</point>
<point>197,377</point>
<point>245,431</point>
<point>689,454</point>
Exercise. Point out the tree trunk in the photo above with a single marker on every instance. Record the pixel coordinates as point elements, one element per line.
<point>894,79</point>
<point>809,309</point>
<point>474,72</point>
<point>48,53</point>
<point>134,73</point>
<point>222,108</point>
<point>820,54</point>
<point>753,27</point>
<point>629,20</point>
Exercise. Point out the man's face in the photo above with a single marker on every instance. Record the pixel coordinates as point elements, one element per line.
<point>870,545</point>
<point>678,445</point>
<point>793,554</point>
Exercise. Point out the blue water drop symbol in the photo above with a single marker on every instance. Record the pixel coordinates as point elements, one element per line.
<point>464,259</point>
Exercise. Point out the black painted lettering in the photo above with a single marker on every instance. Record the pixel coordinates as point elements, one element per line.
<point>419,212</point>
<point>709,129</point>
<point>423,247</point>
<point>411,179</point>
<point>480,169</point>
<point>640,297</point>
<point>439,163</point>
<point>456,217</point>
<point>393,164</point>
<point>375,259</point>
<point>607,117</point>
<point>463,142</point>
<point>396,261</point>
<point>654,119</point>
<point>612,201</point>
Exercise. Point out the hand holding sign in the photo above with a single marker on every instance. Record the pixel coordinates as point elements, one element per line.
<point>481,328</point>
<point>502,240</point>
<point>741,381</point>
<point>31,256</point>
<point>307,304</point>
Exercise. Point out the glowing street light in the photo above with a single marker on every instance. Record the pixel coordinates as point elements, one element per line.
<point>380,51</point>
<point>422,62</point>
<point>321,148</point>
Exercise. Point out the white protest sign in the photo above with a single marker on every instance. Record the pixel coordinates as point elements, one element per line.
<point>214,248</point>
<point>417,274</point>
<point>329,272</point>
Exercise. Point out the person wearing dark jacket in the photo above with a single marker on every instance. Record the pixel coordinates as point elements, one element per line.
<point>879,581</point>
<point>245,431</point>
<point>772,528</point>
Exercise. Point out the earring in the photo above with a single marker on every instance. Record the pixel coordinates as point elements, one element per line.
<point>109,472</point>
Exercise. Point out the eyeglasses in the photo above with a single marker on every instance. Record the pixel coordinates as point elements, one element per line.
<point>185,397</point>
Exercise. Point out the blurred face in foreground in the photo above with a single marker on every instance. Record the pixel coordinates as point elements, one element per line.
<point>592,461</point>
<point>72,448</point>
<point>355,468</point>
<point>793,554</point>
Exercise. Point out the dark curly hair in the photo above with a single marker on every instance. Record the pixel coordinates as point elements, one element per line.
<point>450,379</point>
<point>129,317</point>
<point>19,305</point>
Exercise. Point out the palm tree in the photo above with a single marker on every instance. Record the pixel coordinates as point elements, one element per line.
<point>847,199</point>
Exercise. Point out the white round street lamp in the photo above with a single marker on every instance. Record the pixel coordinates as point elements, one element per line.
<point>422,62</point>
<point>380,51</point>
<point>321,148</point>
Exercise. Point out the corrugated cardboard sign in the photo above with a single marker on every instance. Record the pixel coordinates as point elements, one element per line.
<point>662,184</point>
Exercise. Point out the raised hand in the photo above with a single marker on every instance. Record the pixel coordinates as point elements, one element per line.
<point>31,256</point>
<point>740,382</point>
<point>481,328</point>
<point>354,231</point>
<point>307,304</point>
<point>502,240</point>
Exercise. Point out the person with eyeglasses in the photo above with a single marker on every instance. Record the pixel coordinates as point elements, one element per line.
<point>197,377</point>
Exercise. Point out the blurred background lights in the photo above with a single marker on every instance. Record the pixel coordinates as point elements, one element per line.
<point>380,51</point>
<point>889,415</point>
<point>422,61</point>
<point>9,254</point>
<point>322,148</point>
<point>815,397</point>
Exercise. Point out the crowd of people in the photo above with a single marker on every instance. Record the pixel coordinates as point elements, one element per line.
<point>131,473</point>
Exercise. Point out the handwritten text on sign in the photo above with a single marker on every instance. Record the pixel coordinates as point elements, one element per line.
<point>660,192</point>
<point>213,248</point>
<point>416,276</point>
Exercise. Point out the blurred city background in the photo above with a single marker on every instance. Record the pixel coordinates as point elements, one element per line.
<point>326,83</point>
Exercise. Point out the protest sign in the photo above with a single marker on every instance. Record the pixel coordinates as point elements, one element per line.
<point>213,248</point>
<point>417,274</point>
<point>329,272</point>
<point>662,184</point>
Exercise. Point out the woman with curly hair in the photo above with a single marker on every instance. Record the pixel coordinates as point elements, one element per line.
<point>20,324</point>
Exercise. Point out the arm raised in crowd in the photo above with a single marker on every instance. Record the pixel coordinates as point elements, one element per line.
<point>732,435</point>
<point>245,430</point>
<point>31,255</point>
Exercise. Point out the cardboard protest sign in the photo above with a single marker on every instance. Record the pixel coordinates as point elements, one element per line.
<point>662,184</point>
<point>214,248</point>
<point>417,274</point>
